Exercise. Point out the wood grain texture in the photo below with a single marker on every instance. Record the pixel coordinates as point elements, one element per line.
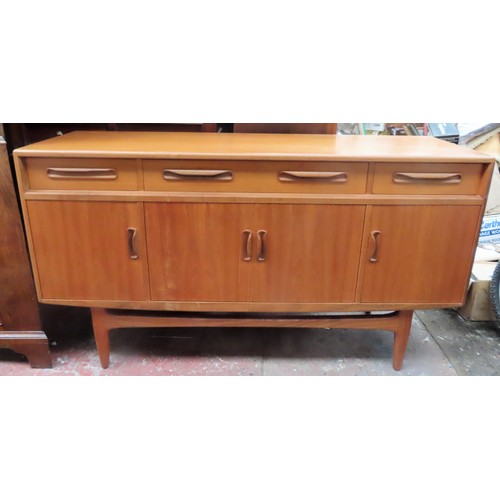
<point>195,251</point>
<point>312,253</point>
<point>81,250</point>
<point>424,254</point>
<point>256,176</point>
<point>192,146</point>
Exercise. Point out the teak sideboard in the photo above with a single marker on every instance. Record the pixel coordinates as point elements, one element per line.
<point>251,230</point>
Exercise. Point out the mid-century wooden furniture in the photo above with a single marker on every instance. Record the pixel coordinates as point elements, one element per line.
<point>251,230</point>
<point>20,327</point>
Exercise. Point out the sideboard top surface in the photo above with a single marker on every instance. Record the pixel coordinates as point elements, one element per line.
<point>277,147</point>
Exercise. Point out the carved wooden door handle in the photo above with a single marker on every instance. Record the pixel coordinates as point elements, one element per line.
<point>247,245</point>
<point>375,235</point>
<point>131,237</point>
<point>262,236</point>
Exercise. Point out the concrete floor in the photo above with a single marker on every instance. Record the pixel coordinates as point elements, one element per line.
<point>441,343</point>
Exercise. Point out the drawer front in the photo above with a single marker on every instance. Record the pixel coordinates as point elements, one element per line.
<point>255,176</point>
<point>82,174</point>
<point>427,178</point>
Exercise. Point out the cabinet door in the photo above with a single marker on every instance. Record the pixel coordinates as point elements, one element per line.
<point>89,250</point>
<point>195,250</point>
<point>311,253</point>
<point>419,254</point>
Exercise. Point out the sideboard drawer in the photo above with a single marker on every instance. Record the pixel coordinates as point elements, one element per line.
<point>82,174</point>
<point>427,178</point>
<point>255,176</point>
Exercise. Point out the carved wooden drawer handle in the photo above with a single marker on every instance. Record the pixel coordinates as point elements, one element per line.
<point>300,175</point>
<point>428,177</point>
<point>247,245</point>
<point>132,250</point>
<point>375,235</point>
<point>202,175</point>
<point>82,173</point>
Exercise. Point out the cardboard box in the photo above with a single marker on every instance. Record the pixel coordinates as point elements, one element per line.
<point>477,306</point>
<point>490,229</point>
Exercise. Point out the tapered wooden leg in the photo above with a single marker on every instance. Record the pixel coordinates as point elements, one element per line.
<point>101,335</point>
<point>401,336</point>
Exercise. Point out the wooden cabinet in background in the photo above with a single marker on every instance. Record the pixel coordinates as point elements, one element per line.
<point>286,128</point>
<point>20,325</point>
<point>257,231</point>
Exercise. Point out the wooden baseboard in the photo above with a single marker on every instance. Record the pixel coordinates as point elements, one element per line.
<point>33,345</point>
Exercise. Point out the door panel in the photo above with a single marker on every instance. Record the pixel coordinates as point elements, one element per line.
<point>311,253</point>
<point>195,251</point>
<point>423,254</point>
<point>83,250</point>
